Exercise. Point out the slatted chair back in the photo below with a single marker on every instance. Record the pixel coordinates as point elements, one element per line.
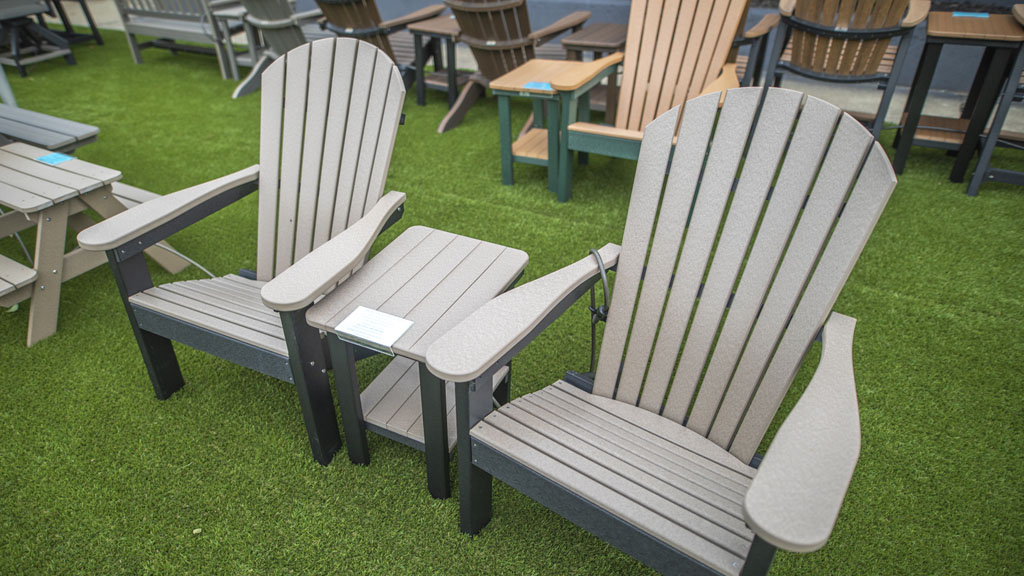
<point>674,49</point>
<point>709,321</point>
<point>497,31</point>
<point>361,16</point>
<point>184,9</point>
<point>279,39</point>
<point>329,115</point>
<point>841,55</point>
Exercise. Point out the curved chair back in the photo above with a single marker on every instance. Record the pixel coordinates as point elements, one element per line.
<point>498,32</point>
<point>358,19</point>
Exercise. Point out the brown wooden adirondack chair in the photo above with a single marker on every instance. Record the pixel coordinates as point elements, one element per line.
<point>361,19</point>
<point>847,41</point>
<point>729,267</point>
<point>498,33</point>
<point>330,113</point>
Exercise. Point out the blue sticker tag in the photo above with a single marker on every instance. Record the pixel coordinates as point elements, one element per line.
<point>54,159</point>
<point>970,14</point>
<point>538,86</point>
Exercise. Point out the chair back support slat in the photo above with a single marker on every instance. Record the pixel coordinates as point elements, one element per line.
<point>730,266</point>
<point>497,35</point>
<point>674,49</point>
<point>330,113</point>
<point>357,15</point>
<point>163,8</point>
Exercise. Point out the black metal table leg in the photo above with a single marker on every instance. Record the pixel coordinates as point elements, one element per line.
<point>349,402</point>
<point>915,103</point>
<point>309,374</point>
<point>453,79</point>
<point>435,433</point>
<point>986,99</point>
<point>417,45</point>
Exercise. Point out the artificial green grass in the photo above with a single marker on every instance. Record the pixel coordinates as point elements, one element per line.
<point>97,476</point>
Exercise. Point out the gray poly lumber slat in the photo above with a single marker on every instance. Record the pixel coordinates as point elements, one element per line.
<point>362,197</point>
<point>404,389</point>
<point>257,320</point>
<point>838,171</point>
<point>296,81</point>
<point>187,300</point>
<point>382,384</point>
<point>217,325</point>
<point>271,108</point>
<point>563,449</point>
<point>731,134</point>
<point>37,135</point>
<point>54,174</point>
<point>874,186</point>
<point>320,68</point>
<point>54,192</point>
<point>359,101</point>
<point>759,168</point>
<point>15,274</point>
<point>76,130</point>
<point>21,200</point>
<point>806,150</point>
<point>321,314</point>
<point>643,205</point>
<point>337,120</point>
<point>73,166</point>
<point>221,293</point>
<point>392,115</point>
<point>625,508</point>
<point>412,291</point>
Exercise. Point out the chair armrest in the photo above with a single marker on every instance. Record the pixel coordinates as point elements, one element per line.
<point>416,16</point>
<point>1018,13</point>
<point>766,24</point>
<point>786,7</point>
<point>916,13</point>
<point>322,269</point>
<point>574,20</point>
<point>794,500</point>
<point>139,220</point>
<point>584,72</point>
<point>511,320</point>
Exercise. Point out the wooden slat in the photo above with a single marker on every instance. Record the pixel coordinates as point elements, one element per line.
<point>363,198</point>
<point>195,291</point>
<point>663,43</point>
<point>359,100</point>
<point>188,299</point>
<point>533,144</point>
<point>53,192</point>
<point>840,167</point>
<point>271,109</point>
<point>14,274</point>
<point>643,205</point>
<point>435,268</point>
<point>21,200</point>
<point>295,85</point>
<point>54,174</point>
<point>388,131</point>
<point>803,159</point>
<point>320,67</point>
<point>759,169</point>
<point>875,184</point>
<point>218,293</point>
<point>637,89</point>
<point>72,167</point>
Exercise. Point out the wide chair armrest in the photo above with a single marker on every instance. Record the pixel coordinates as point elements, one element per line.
<point>584,72</point>
<point>574,20</point>
<point>149,216</point>
<point>412,17</point>
<point>322,269</point>
<point>916,13</point>
<point>766,24</point>
<point>503,326</point>
<point>786,7</point>
<point>794,500</point>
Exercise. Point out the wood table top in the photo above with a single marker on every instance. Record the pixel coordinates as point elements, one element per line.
<point>432,277</point>
<point>445,25</point>
<point>534,76</point>
<point>600,36</point>
<point>996,27</point>
<point>29,185</point>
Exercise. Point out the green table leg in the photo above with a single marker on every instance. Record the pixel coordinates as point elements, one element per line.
<point>505,123</point>
<point>554,143</point>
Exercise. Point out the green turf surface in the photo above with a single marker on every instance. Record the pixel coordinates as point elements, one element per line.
<point>99,477</point>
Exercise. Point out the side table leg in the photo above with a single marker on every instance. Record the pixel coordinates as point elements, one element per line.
<point>435,433</point>
<point>915,103</point>
<point>1005,101</point>
<point>420,61</point>
<point>350,404</point>
<point>987,95</point>
<point>453,73</point>
<point>505,133</point>
<point>309,373</point>
<point>51,232</point>
<point>554,124</point>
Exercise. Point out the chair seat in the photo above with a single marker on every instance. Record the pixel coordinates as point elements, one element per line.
<point>230,306</point>
<point>648,471</point>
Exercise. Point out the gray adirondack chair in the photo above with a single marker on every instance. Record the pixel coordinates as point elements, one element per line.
<point>727,326</point>
<point>330,111</point>
<point>281,30</point>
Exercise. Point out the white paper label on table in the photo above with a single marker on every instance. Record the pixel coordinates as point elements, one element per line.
<point>372,329</point>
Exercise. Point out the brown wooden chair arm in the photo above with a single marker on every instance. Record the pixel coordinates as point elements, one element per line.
<point>794,500</point>
<point>727,80</point>
<point>509,321</point>
<point>1018,13</point>
<point>766,24</point>
<point>412,17</point>
<point>572,21</point>
<point>786,7</point>
<point>146,217</point>
<point>916,13</point>
<point>583,72</point>
<point>319,271</point>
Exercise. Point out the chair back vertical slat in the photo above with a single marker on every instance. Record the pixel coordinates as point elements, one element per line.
<point>837,174</point>
<point>803,159</point>
<point>637,17</point>
<point>682,25</point>
<point>498,35</point>
<point>759,170</point>
<point>385,138</point>
<point>271,110</point>
<point>645,58</point>
<point>317,99</point>
<point>337,122</point>
<point>295,90</point>
<point>363,196</point>
<point>643,207</point>
<point>359,101</point>
<point>687,162</point>
<point>357,15</point>
<point>874,50</point>
<point>875,184</point>
<point>837,16</point>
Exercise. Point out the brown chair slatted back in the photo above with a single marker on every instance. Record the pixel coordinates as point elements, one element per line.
<point>357,15</point>
<point>731,265</point>
<point>330,111</point>
<point>497,31</point>
<point>844,56</point>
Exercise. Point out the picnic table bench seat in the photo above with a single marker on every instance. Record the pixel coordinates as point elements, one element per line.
<point>14,275</point>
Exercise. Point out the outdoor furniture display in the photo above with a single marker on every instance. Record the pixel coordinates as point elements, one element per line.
<point>499,35</point>
<point>776,202</point>
<point>434,279</point>
<point>281,30</point>
<point>847,42</point>
<point>330,111</point>
<point>361,19</point>
<point>1013,90</point>
<point>226,18</point>
<point>599,38</point>
<point>1001,35</point>
<point>171,21</point>
<point>51,191</point>
<point>445,77</point>
<point>29,41</point>
<point>69,32</point>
